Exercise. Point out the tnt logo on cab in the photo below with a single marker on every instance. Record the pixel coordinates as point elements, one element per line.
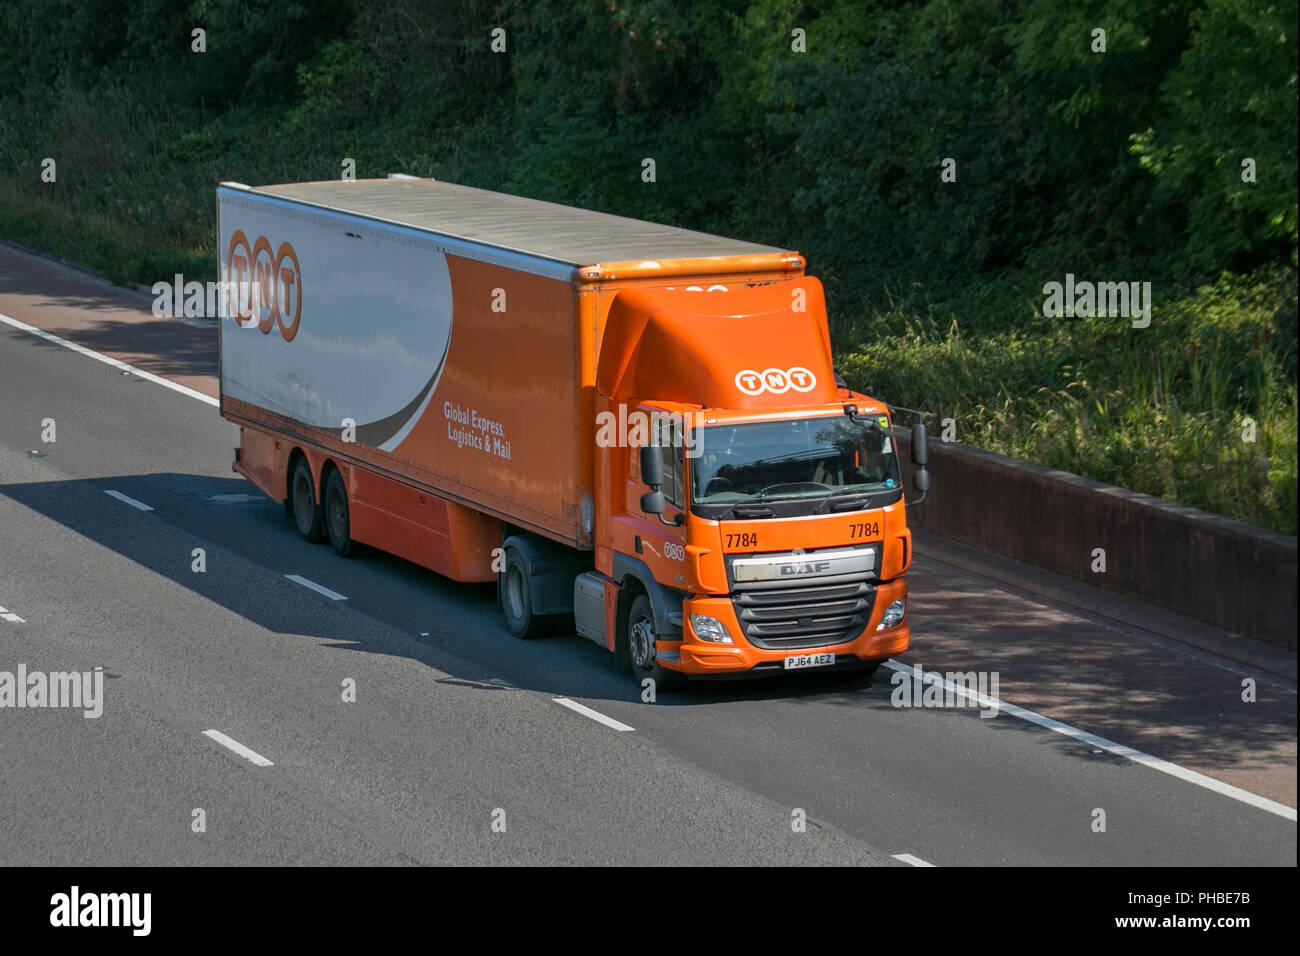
<point>775,380</point>
<point>266,288</point>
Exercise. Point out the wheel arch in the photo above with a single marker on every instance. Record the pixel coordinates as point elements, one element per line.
<point>629,589</point>
<point>633,578</point>
<point>550,568</point>
<point>328,466</point>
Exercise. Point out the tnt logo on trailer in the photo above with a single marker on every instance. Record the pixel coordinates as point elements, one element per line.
<point>266,287</point>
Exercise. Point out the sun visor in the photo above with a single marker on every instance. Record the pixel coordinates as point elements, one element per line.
<point>752,347</point>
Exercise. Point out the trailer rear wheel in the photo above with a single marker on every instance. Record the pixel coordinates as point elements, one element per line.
<point>302,494</point>
<point>517,600</point>
<point>337,519</point>
<point>641,648</point>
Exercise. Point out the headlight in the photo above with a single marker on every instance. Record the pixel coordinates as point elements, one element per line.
<point>710,629</point>
<point>893,614</point>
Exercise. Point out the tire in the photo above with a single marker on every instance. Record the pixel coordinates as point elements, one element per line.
<point>641,649</point>
<point>337,515</point>
<point>517,599</point>
<point>302,503</point>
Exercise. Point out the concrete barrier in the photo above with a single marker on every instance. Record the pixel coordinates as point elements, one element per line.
<point>1223,572</point>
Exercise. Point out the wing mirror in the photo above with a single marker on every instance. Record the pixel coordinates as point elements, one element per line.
<point>652,473</point>
<point>920,458</point>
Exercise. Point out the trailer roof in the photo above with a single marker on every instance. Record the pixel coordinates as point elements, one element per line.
<point>562,233</point>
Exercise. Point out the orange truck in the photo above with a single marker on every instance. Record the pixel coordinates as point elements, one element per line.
<point>635,430</point>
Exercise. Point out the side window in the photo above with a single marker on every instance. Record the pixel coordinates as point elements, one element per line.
<point>668,438</point>
<point>874,464</point>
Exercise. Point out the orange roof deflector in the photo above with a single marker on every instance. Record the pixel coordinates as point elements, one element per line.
<point>756,347</point>
<point>778,262</point>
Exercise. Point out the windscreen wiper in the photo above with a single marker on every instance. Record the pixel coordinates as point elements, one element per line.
<point>851,502</point>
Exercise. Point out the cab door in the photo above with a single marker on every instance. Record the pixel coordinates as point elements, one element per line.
<point>663,537</point>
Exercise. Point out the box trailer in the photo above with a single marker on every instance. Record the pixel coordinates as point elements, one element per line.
<point>636,430</point>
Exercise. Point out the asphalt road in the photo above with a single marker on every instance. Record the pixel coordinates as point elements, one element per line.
<point>455,725</point>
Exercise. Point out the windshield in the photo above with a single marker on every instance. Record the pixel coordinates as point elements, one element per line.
<point>802,458</point>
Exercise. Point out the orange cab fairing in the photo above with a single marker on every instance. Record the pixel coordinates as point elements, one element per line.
<point>691,351</point>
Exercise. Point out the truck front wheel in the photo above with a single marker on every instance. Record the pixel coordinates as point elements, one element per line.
<point>641,648</point>
<point>302,493</point>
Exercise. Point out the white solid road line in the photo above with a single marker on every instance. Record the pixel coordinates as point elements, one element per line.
<point>1120,750</point>
<point>10,616</point>
<point>235,747</point>
<point>130,501</point>
<point>595,715</point>
<point>107,360</point>
<point>318,588</point>
<point>910,860</point>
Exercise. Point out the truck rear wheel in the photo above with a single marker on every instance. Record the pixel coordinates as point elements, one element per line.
<point>641,648</point>
<point>302,495</point>
<point>337,519</point>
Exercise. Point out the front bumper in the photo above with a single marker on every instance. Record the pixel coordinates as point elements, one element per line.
<point>698,657</point>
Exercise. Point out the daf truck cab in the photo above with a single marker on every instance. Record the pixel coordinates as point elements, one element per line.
<point>761,528</point>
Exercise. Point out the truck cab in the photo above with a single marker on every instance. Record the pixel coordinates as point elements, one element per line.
<point>750,515</point>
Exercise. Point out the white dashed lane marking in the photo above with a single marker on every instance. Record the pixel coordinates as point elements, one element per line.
<point>318,588</point>
<point>235,747</point>
<point>130,501</point>
<point>595,715</point>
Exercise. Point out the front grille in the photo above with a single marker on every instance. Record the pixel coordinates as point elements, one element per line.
<point>807,616</point>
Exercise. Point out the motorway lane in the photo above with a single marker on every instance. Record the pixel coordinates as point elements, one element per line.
<point>947,786</point>
<point>121,789</point>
